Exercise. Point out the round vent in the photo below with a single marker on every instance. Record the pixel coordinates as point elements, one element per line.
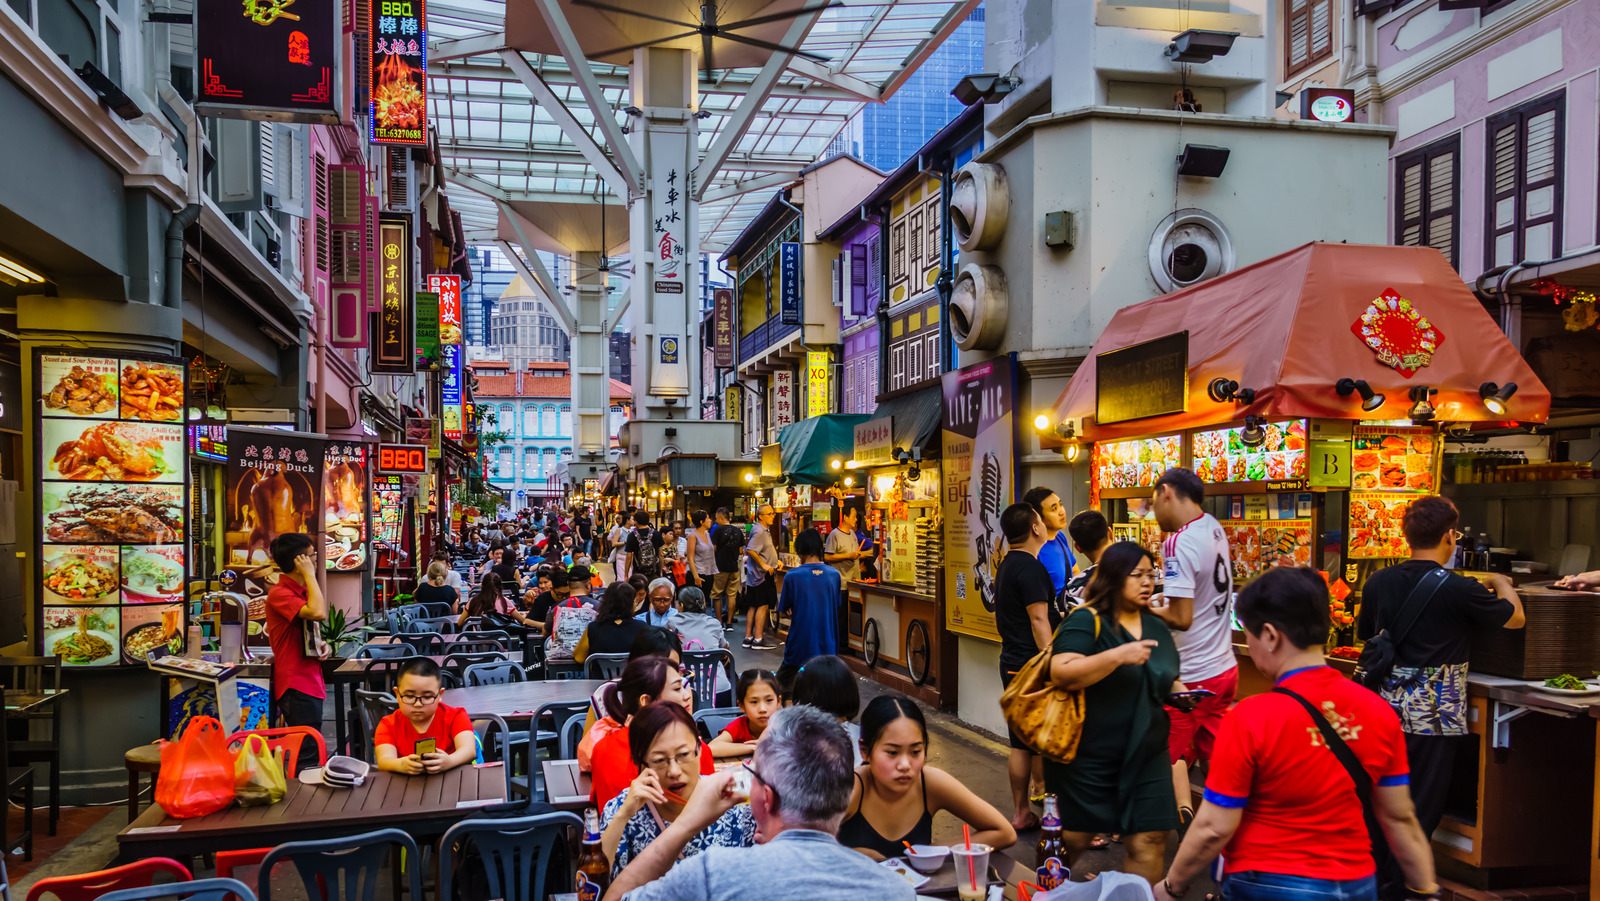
<point>979,205</point>
<point>978,307</point>
<point>1189,247</point>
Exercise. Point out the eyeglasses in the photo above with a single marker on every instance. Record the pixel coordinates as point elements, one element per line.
<point>1143,575</point>
<point>684,761</point>
<point>418,699</point>
<point>1456,535</point>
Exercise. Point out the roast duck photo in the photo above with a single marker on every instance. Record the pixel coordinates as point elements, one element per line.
<point>264,505</point>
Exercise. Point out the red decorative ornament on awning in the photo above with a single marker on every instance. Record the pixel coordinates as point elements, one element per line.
<point>1402,338</point>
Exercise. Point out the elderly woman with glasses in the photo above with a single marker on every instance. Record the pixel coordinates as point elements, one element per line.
<point>666,748</point>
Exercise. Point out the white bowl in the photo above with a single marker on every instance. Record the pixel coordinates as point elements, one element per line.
<point>927,858</point>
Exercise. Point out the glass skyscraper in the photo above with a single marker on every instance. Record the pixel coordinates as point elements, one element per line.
<point>892,131</point>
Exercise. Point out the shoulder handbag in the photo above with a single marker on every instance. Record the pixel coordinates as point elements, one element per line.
<point>1352,766</point>
<point>1377,655</point>
<point>1048,718</point>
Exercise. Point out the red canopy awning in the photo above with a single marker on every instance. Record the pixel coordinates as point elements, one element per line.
<point>1290,327</point>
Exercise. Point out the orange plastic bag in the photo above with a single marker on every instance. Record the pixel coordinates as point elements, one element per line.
<point>196,771</point>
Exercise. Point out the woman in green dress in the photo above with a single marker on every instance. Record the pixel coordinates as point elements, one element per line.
<point>1123,659</point>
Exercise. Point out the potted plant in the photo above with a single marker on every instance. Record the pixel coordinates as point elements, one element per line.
<point>341,631</point>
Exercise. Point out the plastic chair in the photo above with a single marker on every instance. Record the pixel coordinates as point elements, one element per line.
<point>287,738</point>
<point>381,674</point>
<point>90,886</point>
<point>515,852</point>
<point>345,869</point>
<point>456,663</point>
<point>605,666</point>
<point>444,625</point>
<point>374,706</point>
<point>434,609</point>
<point>425,644</point>
<point>383,651</point>
<point>568,737</point>
<point>37,674</point>
<point>713,720</point>
<point>481,646</point>
<point>502,672</point>
<point>198,890</point>
<point>704,665</point>
<point>476,634</point>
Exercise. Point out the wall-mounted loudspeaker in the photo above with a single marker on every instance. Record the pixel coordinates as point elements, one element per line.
<point>978,307</point>
<point>979,205</point>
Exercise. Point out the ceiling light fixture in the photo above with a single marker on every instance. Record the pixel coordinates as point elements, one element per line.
<point>12,269</point>
<point>749,477</point>
<point>1421,408</point>
<point>1071,452</point>
<point>1495,397</point>
<point>1370,399</point>
<point>836,463</point>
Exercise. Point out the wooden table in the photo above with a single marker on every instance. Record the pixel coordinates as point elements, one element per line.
<point>19,700</point>
<point>347,674</point>
<point>520,700</point>
<point>565,786</point>
<point>423,806</point>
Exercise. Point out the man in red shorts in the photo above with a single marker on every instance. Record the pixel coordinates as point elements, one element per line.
<point>1198,604</point>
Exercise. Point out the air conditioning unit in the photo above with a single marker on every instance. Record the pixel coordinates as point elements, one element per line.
<point>980,203</point>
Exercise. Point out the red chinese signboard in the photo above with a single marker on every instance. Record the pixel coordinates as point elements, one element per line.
<point>267,59</point>
<point>448,287</point>
<point>722,327</point>
<point>399,101</point>
<point>1401,337</point>
<point>394,342</point>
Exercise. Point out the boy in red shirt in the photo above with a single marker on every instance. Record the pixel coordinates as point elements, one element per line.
<point>295,603</point>
<point>1279,806</point>
<point>422,719</point>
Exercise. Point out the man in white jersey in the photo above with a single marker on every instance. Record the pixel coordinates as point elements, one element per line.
<point>1198,596</point>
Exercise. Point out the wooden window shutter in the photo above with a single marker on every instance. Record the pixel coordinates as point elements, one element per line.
<point>1525,182</point>
<point>897,252</point>
<point>1442,195</point>
<point>934,225</point>
<point>371,252</point>
<point>1409,219</point>
<point>914,251</point>
<point>1297,28</point>
<point>319,203</point>
<point>347,316</point>
<point>874,268</point>
<point>1321,28</point>
<point>860,258</point>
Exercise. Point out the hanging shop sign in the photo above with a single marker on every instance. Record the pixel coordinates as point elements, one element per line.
<point>732,406</point>
<point>274,487</point>
<point>112,492</point>
<point>817,384</point>
<point>407,459</point>
<point>722,336</point>
<point>448,287</point>
<point>669,375</point>
<point>394,343</point>
<point>450,391</point>
<point>267,59</point>
<point>399,48</point>
<point>789,282</point>
<point>1144,380</point>
<point>1328,104</point>
<point>874,442</point>
<point>344,502</point>
<point>782,400</point>
<point>427,306</point>
<point>979,445</point>
<point>388,508</point>
<point>1401,337</point>
<point>209,442</point>
<point>669,226</point>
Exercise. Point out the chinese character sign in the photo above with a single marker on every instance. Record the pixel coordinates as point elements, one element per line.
<point>261,55</point>
<point>275,487</point>
<point>398,32</point>
<point>789,282</point>
<point>394,343</point>
<point>344,504</point>
<point>427,330</point>
<point>450,391</point>
<point>668,225</point>
<point>448,287</point>
<point>782,400</point>
<point>979,465</point>
<point>874,442</point>
<point>722,325</point>
<point>817,386</point>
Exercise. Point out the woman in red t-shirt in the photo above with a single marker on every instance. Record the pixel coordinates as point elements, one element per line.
<point>1279,806</point>
<point>420,719</point>
<point>643,681</point>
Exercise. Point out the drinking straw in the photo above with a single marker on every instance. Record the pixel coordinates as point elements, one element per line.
<point>972,871</point>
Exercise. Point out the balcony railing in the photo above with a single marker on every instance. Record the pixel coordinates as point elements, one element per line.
<point>765,335</point>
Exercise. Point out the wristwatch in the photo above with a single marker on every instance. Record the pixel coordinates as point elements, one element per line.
<point>1172,891</point>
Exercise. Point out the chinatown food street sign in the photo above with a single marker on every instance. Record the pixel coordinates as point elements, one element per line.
<point>450,391</point>
<point>399,46</point>
<point>267,59</point>
<point>448,287</point>
<point>394,343</point>
<point>722,340</point>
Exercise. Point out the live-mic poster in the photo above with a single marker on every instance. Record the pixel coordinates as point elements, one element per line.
<point>979,432</point>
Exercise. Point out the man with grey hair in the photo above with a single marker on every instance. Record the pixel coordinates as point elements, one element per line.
<point>799,792</point>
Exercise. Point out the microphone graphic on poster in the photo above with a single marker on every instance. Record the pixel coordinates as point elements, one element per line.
<point>991,490</point>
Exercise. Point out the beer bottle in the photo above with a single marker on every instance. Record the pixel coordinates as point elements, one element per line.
<point>594,871</point>
<point>1051,864</point>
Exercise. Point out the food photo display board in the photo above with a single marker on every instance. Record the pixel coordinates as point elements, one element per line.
<point>112,504</point>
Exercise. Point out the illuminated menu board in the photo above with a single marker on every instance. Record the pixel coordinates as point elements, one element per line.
<point>112,505</point>
<point>388,508</point>
<point>1137,463</point>
<point>344,503</point>
<point>1388,458</point>
<point>1375,525</point>
<point>209,442</point>
<point>398,30</point>
<point>1220,455</point>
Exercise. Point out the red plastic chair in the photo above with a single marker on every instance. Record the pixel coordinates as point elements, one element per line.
<point>286,738</point>
<point>289,739</point>
<point>89,886</point>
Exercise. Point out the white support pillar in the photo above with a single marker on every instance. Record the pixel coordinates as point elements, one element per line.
<point>591,363</point>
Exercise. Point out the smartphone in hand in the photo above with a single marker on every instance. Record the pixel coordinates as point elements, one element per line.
<point>1189,700</point>
<point>426,746</point>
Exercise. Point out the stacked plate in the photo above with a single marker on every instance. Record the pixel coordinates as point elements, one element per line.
<point>340,772</point>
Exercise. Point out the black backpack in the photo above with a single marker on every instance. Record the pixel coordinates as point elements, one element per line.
<point>646,562</point>
<point>1377,655</point>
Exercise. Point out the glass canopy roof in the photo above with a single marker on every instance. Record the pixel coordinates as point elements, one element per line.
<point>497,143</point>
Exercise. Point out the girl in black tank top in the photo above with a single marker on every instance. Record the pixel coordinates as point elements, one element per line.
<point>895,784</point>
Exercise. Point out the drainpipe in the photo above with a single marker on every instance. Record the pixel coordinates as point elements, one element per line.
<point>882,311</point>
<point>185,217</point>
<point>947,260</point>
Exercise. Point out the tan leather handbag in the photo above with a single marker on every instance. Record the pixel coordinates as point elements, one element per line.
<point>1048,719</point>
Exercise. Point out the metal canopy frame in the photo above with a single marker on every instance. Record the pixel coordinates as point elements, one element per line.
<point>507,120</point>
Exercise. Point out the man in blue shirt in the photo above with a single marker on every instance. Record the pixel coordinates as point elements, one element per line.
<point>1056,555</point>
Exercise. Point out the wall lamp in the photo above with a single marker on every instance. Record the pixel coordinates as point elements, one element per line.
<point>1223,390</point>
<point>1064,429</point>
<point>1199,45</point>
<point>1253,435</point>
<point>108,92</point>
<point>1421,408</point>
<point>985,88</point>
<point>1070,452</point>
<point>836,464</point>
<point>1370,399</point>
<point>1495,397</point>
<point>749,477</point>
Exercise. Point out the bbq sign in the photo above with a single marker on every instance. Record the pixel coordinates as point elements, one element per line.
<point>394,341</point>
<point>399,113</point>
<point>267,59</point>
<point>402,458</point>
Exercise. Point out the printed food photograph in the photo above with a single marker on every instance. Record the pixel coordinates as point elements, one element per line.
<point>1220,455</point>
<point>1392,460</point>
<point>78,574</point>
<point>151,391</point>
<point>112,514</point>
<point>147,628</point>
<point>344,515</point>
<point>1138,463</point>
<point>113,451</point>
<point>82,636</point>
<point>152,574</point>
<point>1375,526</point>
<point>79,386</point>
